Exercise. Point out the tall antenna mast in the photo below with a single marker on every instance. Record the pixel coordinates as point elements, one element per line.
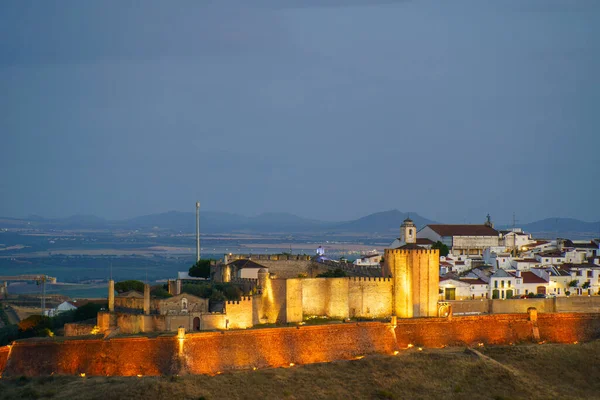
<point>197,231</point>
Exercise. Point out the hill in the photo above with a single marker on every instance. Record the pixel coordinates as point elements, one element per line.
<point>382,222</point>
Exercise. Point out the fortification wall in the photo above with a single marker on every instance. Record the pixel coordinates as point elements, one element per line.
<point>370,297</point>
<point>210,352</point>
<point>290,268</point>
<point>512,306</point>
<point>138,323</point>
<point>239,313</point>
<point>325,296</point>
<point>470,306</point>
<point>582,304</point>
<point>213,321</point>
<point>578,304</point>
<point>293,300</point>
<point>134,303</point>
<point>273,304</point>
<point>78,329</point>
<point>4,351</point>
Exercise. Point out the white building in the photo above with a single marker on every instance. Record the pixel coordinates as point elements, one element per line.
<point>462,239</point>
<point>550,258</point>
<point>370,260</point>
<point>61,308</point>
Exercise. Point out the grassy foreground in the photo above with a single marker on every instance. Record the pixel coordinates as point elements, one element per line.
<point>505,372</point>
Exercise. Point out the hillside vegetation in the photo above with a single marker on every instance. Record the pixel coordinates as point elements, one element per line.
<point>505,372</point>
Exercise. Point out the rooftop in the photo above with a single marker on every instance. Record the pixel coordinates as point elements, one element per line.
<point>463,230</point>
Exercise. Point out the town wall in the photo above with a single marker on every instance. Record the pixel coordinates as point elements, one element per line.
<point>325,296</point>
<point>511,306</point>
<point>239,313</point>
<point>78,329</point>
<point>466,307</point>
<point>4,352</point>
<point>370,297</point>
<point>211,352</point>
<point>214,321</point>
<point>293,300</point>
<point>583,304</point>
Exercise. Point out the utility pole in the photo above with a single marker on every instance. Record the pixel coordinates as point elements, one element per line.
<point>197,231</point>
<point>43,281</point>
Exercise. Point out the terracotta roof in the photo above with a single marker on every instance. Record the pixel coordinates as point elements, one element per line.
<point>473,281</point>
<point>528,260</point>
<point>463,230</point>
<point>445,263</point>
<point>530,277</point>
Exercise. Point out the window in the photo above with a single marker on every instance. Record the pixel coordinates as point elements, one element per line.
<point>502,284</point>
<point>184,304</point>
<point>496,284</point>
<point>508,283</point>
<point>589,274</point>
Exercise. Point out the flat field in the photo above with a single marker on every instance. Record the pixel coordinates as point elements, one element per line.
<point>546,371</point>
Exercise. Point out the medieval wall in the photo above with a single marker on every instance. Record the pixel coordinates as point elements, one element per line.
<point>211,352</point>
<point>4,351</point>
<point>415,274</point>
<point>370,297</point>
<point>584,304</point>
<point>78,329</point>
<point>521,305</point>
<point>134,303</point>
<point>325,296</point>
<point>239,313</point>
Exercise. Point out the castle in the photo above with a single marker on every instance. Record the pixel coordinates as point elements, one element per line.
<point>408,288</point>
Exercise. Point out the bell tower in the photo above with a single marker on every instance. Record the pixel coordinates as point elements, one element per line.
<point>408,232</point>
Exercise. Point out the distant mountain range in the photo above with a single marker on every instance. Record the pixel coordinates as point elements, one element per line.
<point>386,223</point>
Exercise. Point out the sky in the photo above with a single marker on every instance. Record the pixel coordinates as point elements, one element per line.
<point>327,109</point>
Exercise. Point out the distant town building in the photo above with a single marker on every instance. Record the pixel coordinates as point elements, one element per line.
<point>462,239</point>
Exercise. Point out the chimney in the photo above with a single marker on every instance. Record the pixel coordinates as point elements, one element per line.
<point>146,299</point>
<point>111,296</point>
<point>518,273</point>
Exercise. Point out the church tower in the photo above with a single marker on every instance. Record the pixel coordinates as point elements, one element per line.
<point>408,232</point>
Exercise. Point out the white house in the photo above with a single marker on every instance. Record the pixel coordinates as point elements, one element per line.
<point>550,258</point>
<point>502,285</point>
<point>515,239</point>
<point>370,260</point>
<point>462,239</point>
<point>524,264</point>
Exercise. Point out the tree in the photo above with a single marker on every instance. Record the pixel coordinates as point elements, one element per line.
<point>201,269</point>
<point>573,283</point>
<point>586,285</point>
<point>126,286</point>
<point>337,273</point>
<point>160,292</point>
<point>88,311</point>
<point>444,251</point>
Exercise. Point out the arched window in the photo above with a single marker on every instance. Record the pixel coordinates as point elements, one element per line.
<point>184,304</point>
<point>410,232</point>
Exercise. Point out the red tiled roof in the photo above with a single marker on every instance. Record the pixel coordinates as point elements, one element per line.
<point>530,277</point>
<point>463,230</point>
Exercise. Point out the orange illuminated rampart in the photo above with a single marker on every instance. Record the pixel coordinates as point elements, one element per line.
<point>211,352</point>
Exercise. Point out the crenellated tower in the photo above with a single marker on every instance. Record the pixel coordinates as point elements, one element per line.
<point>415,277</point>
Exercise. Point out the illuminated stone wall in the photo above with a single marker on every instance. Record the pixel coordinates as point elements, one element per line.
<point>3,357</point>
<point>325,296</point>
<point>239,313</point>
<point>211,352</point>
<point>415,274</point>
<point>78,329</point>
<point>370,297</point>
<point>521,306</point>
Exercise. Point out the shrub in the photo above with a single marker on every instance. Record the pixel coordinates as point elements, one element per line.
<point>337,273</point>
<point>126,286</point>
<point>201,269</point>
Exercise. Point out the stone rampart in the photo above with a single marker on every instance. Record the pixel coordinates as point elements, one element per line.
<point>583,304</point>
<point>211,352</point>
<point>370,297</point>
<point>79,329</point>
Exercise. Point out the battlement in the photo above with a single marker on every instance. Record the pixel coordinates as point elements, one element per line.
<point>412,251</point>
<point>242,300</point>
<point>369,279</point>
<point>268,257</point>
<point>241,280</point>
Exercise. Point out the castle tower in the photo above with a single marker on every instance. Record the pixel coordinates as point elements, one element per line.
<point>415,277</point>
<point>408,232</point>
<point>111,296</point>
